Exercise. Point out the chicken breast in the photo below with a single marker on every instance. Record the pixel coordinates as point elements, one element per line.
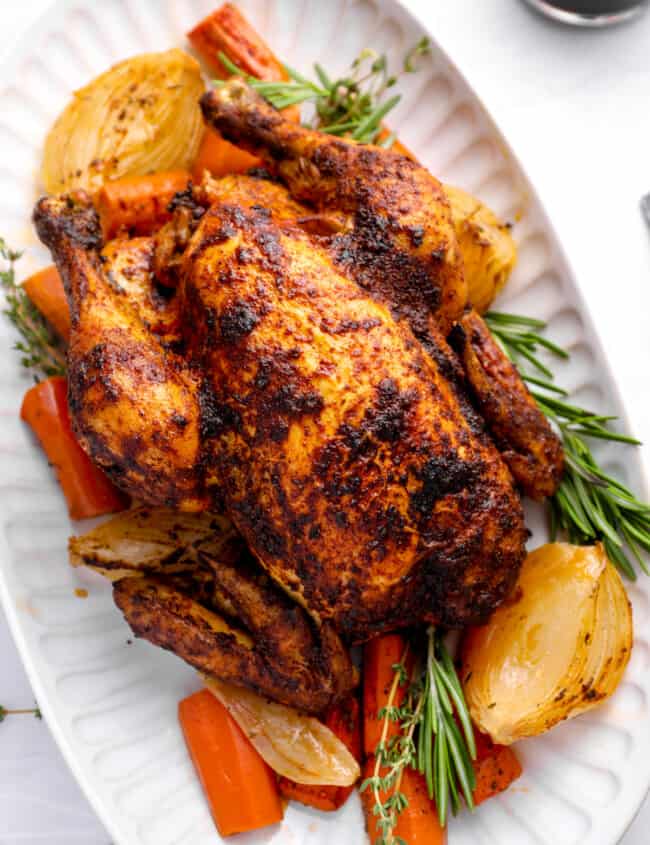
<point>342,452</point>
<point>397,235</point>
<point>338,447</point>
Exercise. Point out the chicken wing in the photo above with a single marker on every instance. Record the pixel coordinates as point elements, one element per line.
<point>528,444</point>
<point>277,652</point>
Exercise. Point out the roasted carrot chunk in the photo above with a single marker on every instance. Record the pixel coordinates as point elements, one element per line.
<point>219,157</point>
<point>496,767</point>
<point>227,31</point>
<point>343,720</point>
<point>87,490</point>
<point>379,684</point>
<point>45,289</point>
<point>397,146</point>
<point>138,204</point>
<point>418,823</point>
<point>240,788</point>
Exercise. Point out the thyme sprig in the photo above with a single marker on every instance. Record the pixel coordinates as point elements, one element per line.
<point>429,738</point>
<point>393,756</point>
<point>40,348</point>
<point>26,711</point>
<point>354,104</point>
<point>589,505</point>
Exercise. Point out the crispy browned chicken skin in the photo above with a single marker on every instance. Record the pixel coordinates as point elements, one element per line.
<point>301,377</point>
<point>273,647</point>
<point>520,430</point>
<point>397,239</point>
<point>342,454</point>
<point>133,403</point>
<point>391,231</point>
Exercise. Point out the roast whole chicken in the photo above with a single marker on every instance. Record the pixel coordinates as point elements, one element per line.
<point>298,376</point>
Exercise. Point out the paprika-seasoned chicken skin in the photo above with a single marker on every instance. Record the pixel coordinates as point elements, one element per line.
<point>133,403</point>
<point>521,431</point>
<point>391,229</point>
<point>399,240</point>
<point>188,583</point>
<point>227,619</point>
<point>341,452</point>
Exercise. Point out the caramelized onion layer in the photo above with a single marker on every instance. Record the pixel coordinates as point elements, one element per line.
<point>139,117</point>
<point>558,648</point>
<point>296,746</point>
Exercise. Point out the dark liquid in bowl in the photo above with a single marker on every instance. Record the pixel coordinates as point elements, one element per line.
<point>594,7</point>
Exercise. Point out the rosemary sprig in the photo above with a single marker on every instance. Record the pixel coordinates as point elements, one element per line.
<point>429,739</point>
<point>590,505</point>
<point>445,751</point>
<point>42,351</point>
<point>353,105</point>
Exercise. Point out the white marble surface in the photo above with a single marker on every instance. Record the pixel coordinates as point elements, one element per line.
<point>574,105</point>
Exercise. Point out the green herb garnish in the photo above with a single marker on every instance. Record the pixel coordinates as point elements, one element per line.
<point>589,505</point>
<point>42,351</point>
<point>33,711</point>
<point>429,740</point>
<point>445,751</point>
<point>352,105</point>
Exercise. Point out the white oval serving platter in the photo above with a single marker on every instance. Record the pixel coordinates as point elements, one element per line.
<point>111,703</point>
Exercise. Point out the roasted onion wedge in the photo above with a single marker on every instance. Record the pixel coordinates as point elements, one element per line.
<point>139,117</point>
<point>489,252</point>
<point>148,539</point>
<point>558,648</point>
<point>294,745</point>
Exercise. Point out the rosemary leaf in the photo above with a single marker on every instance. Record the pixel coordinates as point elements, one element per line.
<point>429,740</point>
<point>446,756</point>
<point>354,104</point>
<point>590,505</point>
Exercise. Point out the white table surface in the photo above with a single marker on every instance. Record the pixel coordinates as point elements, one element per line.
<point>576,108</point>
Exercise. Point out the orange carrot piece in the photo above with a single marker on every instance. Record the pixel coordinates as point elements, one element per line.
<point>45,289</point>
<point>227,31</point>
<point>397,146</point>
<point>379,657</point>
<point>418,823</point>
<point>220,157</point>
<point>138,203</point>
<point>496,767</point>
<point>87,490</point>
<point>343,720</point>
<point>239,787</point>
